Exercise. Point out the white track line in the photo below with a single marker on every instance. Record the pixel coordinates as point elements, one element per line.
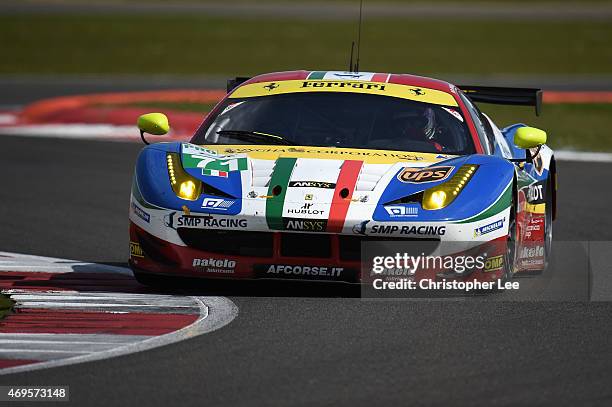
<point>66,349</point>
<point>565,155</point>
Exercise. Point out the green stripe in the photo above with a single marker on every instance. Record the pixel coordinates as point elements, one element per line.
<point>502,203</point>
<point>274,206</point>
<point>317,75</point>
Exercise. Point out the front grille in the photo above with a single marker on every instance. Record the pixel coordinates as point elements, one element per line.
<point>350,246</point>
<point>253,244</point>
<point>315,245</point>
<point>306,245</point>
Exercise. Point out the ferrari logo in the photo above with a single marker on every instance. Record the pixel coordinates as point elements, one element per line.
<point>308,197</point>
<point>271,86</point>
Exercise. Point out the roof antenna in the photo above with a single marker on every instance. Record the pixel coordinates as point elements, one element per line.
<point>358,36</point>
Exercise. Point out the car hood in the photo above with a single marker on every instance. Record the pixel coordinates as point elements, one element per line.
<point>303,173</point>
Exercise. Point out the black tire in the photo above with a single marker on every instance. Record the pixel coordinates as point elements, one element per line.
<point>510,256</point>
<point>548,223</point>
<point>157,281</point>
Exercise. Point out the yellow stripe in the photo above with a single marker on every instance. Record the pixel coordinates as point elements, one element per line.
<point>537,208</point>
<point>425,95</point>
<point>368,156</point>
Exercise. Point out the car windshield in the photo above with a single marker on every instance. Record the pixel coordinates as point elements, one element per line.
<point>338,120</point>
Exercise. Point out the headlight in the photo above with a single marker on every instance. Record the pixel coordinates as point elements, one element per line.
<point>184,185</point>
<point>442,195</point>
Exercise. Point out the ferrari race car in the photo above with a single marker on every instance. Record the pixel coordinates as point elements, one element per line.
<point>291,172</point>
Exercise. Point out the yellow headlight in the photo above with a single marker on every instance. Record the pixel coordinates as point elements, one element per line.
<point>434,200</point>
<point>184,185</point>
<point>442,195</point>
<point>187,190</point>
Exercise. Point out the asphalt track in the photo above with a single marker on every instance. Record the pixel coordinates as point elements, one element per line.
<point>309,344</point>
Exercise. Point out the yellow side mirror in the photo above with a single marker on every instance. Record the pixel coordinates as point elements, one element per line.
<point>153,123</point>
<point>529,137</point>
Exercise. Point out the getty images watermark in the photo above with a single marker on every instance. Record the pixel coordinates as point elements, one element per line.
<point>401,272</point>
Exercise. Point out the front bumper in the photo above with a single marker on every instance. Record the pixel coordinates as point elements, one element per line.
<point>276,255</point>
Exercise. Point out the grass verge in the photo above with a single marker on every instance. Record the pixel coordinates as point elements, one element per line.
<point>6,305</point>
<point>586,127</point>
<point>165,44</point>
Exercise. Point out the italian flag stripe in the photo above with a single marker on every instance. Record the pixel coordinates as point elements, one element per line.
<point>380,77</point>
<point>317,75</point>
<point>339,206</point>
<point>274,205</point>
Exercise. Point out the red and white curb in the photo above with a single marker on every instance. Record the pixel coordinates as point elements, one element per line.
<point>70,312</point>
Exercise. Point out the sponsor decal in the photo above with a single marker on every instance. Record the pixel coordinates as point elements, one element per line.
<point>535,225</point>
<point>210,222</point>
<point>138,211</point>
<point>491,227</point>
<point>271,86</point>
<point>360,228</point>
<point>217,203</point>
<point>323,83</point>
<point>426,230</point>
<point>210,265</point>
<point>400,211</point>
<point>136,250</point>
<point>345,84</point>
<point>369,156</point>
<point>531,252</point>
<point>211,164</point>
<point>422,175</point>
<point>312,184</point>
<point>454,113</point>
<point>275,270</point>
<point>230,107</point>
<point>305,210</point>
<point>535,193</point>
<point>493,263</point>
<point>192,149</point>
<point>305,225</point>
<point>308,197</point>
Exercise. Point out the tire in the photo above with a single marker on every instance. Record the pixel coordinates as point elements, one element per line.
<point>157,281</point>
<point>548,223</point>
<point>510,256</point>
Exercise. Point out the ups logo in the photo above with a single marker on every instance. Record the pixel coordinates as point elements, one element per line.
<point>420,175</point>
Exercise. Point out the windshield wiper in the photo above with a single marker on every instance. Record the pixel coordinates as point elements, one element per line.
<point>248,135</point>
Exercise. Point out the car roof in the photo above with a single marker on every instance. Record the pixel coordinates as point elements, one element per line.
<point>400,79</point>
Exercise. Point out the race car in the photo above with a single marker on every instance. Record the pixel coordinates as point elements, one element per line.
<point>292,172</point>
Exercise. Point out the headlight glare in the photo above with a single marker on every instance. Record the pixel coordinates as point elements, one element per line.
<point>442,195</point>
<point>184,185</point>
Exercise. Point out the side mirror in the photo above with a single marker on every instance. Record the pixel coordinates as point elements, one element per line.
<point>529,137</point>
<point>153,123</point>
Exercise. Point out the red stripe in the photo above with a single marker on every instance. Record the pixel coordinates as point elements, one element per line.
<point>4,363</point>
<point>78,322</point>
<point>339,206</point>
<point>69,281</point>
<point>380,77</point>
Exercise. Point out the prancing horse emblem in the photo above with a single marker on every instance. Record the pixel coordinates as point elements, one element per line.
<point>271,86</point>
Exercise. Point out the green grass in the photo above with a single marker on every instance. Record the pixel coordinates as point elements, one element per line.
<point>158,44</point>
<point>569,126</point>
<point>6,305</point>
